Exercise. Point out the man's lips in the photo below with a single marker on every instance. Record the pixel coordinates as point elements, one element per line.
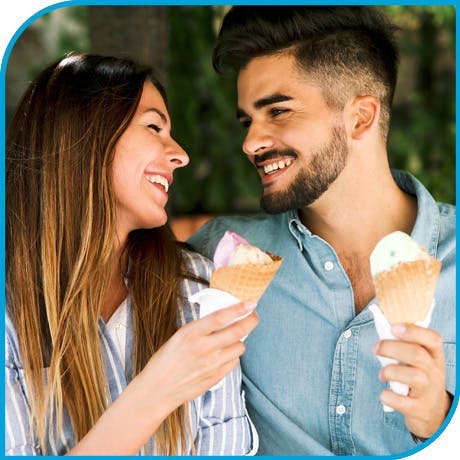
<point>272,164</point>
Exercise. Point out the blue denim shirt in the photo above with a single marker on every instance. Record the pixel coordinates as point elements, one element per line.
<point>309,371</point>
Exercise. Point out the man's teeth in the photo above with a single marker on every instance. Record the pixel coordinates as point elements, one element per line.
<point>281,164</point>
<point>159,180</point>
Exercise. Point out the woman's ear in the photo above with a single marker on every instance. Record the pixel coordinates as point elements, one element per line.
<point>365,113</point>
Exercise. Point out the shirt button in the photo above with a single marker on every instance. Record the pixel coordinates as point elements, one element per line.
<point>340,409</point>
<point>347,334</point>
<point>328,266</point>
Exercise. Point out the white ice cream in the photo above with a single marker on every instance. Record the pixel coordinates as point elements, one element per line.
<point>393,249</point>
<point>247,254</point>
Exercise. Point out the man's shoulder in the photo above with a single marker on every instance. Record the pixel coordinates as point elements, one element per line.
<point>447,211</point>
<point>255,228</point>
<point>447,231</point>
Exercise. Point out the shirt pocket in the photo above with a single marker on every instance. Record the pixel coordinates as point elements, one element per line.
<point>396,419</point>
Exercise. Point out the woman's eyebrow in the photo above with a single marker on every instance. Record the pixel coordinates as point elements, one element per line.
<point>159,112</point>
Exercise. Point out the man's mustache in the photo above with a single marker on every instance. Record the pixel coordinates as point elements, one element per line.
<point>274,155</point>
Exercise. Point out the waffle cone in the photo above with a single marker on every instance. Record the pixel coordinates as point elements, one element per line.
<point>405,292</point>
<point>246,281</point>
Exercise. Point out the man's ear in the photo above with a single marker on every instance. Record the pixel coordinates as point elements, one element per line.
<point>365,114</point>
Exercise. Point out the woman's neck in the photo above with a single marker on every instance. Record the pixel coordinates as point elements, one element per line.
<point>116,292</point>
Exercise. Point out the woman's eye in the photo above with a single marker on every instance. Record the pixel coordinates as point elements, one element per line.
<point>156,128</point>
<point>245,123</point>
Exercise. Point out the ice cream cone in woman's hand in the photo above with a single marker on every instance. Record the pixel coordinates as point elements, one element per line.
<point>241,269</point>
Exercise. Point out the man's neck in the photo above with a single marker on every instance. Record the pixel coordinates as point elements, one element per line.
<point>356,212</point>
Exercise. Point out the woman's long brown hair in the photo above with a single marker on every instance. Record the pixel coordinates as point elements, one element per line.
<point>60,234</point>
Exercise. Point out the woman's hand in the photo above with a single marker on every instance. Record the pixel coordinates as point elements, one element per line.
<point>199,354</point>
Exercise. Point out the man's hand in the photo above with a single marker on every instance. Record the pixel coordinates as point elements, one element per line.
<point>422,367</point>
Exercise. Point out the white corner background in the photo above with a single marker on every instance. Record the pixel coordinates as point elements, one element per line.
<point>14,14</point>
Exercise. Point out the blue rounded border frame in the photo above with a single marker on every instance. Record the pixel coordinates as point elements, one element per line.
<point>63,4</point>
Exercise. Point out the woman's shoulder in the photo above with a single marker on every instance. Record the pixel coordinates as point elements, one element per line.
<point>197,265</point>
<point>197,272</point>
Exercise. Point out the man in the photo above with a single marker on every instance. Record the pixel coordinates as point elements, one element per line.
<point>315,88</point>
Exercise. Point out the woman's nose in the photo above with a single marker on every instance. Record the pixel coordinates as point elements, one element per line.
<point>177,155</point>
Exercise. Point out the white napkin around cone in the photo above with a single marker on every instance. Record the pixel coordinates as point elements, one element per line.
<point>211,300</point>
<point>384,332</point>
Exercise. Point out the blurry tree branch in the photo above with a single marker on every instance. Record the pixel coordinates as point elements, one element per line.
<point>137,32</point>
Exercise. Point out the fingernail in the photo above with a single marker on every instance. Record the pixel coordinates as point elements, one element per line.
<point>249,306</point>
<point>375,347</point>
<point>398,329</point>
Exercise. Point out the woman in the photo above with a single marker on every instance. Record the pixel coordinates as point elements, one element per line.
<point>96,285</point>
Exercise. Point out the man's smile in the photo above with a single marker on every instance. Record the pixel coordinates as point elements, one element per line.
<point>270,169</point>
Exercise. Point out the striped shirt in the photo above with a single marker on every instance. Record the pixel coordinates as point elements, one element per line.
<point>219,421</point>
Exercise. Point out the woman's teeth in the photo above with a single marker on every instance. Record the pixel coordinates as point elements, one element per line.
<point>157,179</point>
<point>281,164</point>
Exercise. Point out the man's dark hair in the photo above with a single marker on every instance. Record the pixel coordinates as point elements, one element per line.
<point>348,50</point>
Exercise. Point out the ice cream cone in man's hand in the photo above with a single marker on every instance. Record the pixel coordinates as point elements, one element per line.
<point>405,278</point>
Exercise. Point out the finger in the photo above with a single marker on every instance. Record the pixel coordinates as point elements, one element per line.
<point>404,352</point>
<point>232,352</point>
<point>427,338</point>
<point>234,332</point>
<point>224,370</point>
<point>222,318</point>
<point>416,379</point>
<point>404,404</point>
<point>223,361</point>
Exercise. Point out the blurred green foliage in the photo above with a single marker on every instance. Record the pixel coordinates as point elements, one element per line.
<point>219,179</point>
<point>423,127</point>
<point>203,109</point>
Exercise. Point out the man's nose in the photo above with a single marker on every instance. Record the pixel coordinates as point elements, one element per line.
<point>258,139</point>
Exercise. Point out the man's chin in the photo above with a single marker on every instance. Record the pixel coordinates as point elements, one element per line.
<point>276,203</point>
<point>273,204</point>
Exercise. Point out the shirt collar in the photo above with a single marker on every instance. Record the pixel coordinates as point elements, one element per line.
<point>296,227</point>
<point>427,223</point>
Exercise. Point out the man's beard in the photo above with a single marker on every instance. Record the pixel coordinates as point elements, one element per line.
<point>312,180</point>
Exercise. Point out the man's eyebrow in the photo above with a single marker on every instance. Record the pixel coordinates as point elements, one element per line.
<point>159,112</point>
<point>272,99</point>
<point>263,102</point>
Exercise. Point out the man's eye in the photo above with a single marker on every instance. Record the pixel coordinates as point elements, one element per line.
<point>154,127</point>
<point>245,123</point>
<point>274,112</point>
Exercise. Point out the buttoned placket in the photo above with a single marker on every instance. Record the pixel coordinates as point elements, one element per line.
<point>343,377</point>
<point>341,392</point>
